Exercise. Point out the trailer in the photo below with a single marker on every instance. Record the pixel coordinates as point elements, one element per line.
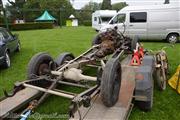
<point>124,74</point>
<point>101,17</point>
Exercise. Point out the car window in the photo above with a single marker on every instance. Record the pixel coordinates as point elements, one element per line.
<point>6,34</point>
<point>1,36</point>
<point>138,17</point>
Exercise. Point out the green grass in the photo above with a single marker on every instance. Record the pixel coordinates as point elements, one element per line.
<point>76,40</point>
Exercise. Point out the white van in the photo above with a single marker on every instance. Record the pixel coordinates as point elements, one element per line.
<point>148,22</point>
<point>101,17</point>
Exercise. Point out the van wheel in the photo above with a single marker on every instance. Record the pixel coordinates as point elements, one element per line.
<point>173,38</point>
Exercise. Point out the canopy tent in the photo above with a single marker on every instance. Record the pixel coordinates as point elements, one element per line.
<point>45,17</point>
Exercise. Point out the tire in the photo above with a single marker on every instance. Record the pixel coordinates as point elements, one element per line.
<point>172,38</point>
<point>62,58</point>
<point>96,40</point>
<point>18,47</point>
<point>146,105</point>
<point>38,64</point>
<point>111,82</point>
<point>134,42</point>
<point>7,61</point>
<point>161,82</point>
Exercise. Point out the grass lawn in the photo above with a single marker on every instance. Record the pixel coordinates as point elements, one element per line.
<point>76,40</point>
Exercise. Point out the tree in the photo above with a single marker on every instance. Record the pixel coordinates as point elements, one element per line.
<point>53,7</point>
<point>106,4</point>
<point>119,6</point>
<point>17,3</point>
<point>14,9</point>
<point>1,4</point>
<point>85,14</point>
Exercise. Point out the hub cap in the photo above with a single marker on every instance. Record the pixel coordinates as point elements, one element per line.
<point>172,39</point>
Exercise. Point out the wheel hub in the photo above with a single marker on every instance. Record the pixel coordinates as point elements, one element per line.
<point>42,68</point>
<point>173,39</point>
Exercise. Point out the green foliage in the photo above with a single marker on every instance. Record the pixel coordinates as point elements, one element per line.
<point>85,14</point>
<point>32,9</point>
<point>87,23</point>
<point>55,7</point>
<point>119,6</point>
<point>30,26</point>
<point>106,5</point>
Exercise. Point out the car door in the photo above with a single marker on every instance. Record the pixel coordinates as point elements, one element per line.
<point>11,43</point>
<point>119,21</point>
<point>137,25</point>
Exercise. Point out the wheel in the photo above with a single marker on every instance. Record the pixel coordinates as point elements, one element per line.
<point>172,38</point>
<point>7,61</point>
<point>18,47</point>
<point>38,64</point>
<point>134,42</point>
<point>146,105</point>
<point>62,58</point>
<point>96,40</point>
<point>161,73</point>
<point>161,81</point>
<point>111,81</point>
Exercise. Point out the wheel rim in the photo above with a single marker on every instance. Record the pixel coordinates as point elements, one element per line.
<point>8,60</point>
<point>42,68</point>
<point>172,39</point>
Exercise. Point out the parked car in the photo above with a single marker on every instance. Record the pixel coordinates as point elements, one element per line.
<point>153,22</point>
<point>9,43</point>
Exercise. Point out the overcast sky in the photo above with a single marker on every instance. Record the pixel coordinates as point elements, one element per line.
<point>80,3</point>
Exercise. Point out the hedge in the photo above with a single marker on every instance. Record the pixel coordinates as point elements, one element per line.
<point>87,23</point>
<point>30,26</point>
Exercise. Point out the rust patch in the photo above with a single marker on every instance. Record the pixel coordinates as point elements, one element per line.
<point>139,76</point>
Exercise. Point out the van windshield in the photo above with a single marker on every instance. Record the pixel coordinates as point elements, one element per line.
<point>120,18</point>
<point>105,19</point>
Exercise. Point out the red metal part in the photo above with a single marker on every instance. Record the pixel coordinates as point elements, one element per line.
<point>137,57</point>
<point>141,51</point>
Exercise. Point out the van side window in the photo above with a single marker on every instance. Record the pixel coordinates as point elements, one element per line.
<point>137,17</point>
